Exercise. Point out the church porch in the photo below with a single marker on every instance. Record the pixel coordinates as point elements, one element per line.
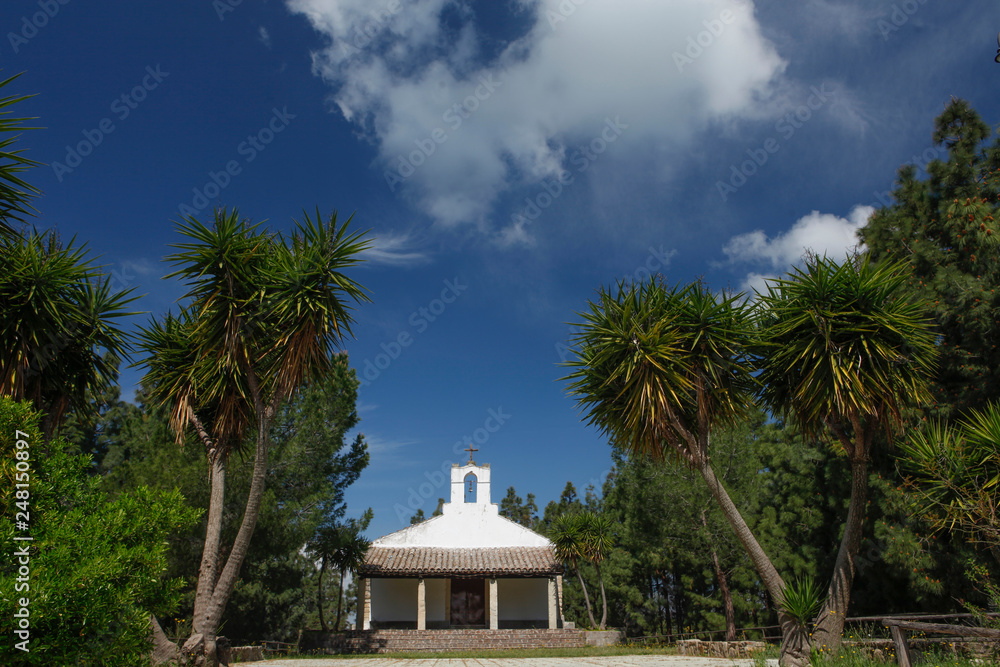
<point>434,603</point>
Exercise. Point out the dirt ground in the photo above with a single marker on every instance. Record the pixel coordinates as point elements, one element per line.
<point>597,661</point>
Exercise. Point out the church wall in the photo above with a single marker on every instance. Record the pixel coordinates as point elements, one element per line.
<point>434,590</point>
<point>522,600</point>
<point>394,600</point>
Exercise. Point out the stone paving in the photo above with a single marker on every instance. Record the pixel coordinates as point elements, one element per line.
<point>592,661</point>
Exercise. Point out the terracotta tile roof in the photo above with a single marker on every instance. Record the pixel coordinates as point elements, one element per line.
<point>440,561</point>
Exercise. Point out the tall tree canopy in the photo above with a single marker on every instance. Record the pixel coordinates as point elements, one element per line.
<point>945,227</point>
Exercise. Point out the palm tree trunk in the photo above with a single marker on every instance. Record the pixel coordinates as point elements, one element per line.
<point>208,572</point>
<point>319,593</point>
<point>829,624</point>
<point>604,599</point>
<point>340,597</point>
<point>223,587</point>
<point>794,637</point>
<point>586,598</point>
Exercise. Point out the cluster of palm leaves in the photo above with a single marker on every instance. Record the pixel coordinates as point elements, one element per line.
<point>59,341</point>
<point>954,473</point>
<point>265,315</point>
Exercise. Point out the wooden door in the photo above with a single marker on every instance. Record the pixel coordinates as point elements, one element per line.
<point>468,602</point>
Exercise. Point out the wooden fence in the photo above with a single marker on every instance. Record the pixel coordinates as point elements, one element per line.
<point>898,625</point>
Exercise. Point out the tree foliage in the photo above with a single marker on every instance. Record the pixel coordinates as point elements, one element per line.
<point>313,461</point>
<point>59,338</point>
<point>954,472</point>
<point>96,563</point>
<point>944,226</point>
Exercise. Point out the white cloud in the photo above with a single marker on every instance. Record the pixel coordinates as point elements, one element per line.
<point>394,250</point>
<point>455,129</point>
<point>380,446</point>
<point>818,233</point>
<point>264,36</point>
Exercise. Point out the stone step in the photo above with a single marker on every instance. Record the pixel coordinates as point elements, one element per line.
<point>392,640</point>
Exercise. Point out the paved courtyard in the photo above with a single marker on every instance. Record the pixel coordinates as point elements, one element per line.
<point>601,661</point>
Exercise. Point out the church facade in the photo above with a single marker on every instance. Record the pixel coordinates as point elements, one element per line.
<point>466,568</point>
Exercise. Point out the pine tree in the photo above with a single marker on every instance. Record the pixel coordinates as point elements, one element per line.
<point>945,225</point>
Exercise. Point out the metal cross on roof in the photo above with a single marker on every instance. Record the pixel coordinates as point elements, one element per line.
<point>471,449</point>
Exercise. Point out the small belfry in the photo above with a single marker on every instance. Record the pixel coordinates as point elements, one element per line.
<point>469,567</point>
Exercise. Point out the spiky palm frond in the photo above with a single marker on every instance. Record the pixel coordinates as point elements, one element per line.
<point>656,366</point>
<point>841,345</point>
<point>58,316</point>
<point>264,315</point>
<point>953,473</point>
<point>802,599</point>
<point>15,193</point>
<point>598,536</point>
<point>567,533</point>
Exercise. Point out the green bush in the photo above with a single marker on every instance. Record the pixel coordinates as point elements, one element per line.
<point>96,565</point>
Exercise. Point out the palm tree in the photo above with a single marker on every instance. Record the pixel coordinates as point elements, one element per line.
<point>598,540</point>
<point>323,545</point>
<point>953,474</point>
<point>58,339</point>
<point>656,369</point>
<point>349,556</point>
<point>265,313</point>
<point>567,533</point>
<point>843,352</point>
<point>343,546</point>
<point>15,194</point>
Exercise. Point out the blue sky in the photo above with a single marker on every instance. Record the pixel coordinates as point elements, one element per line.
<point>510,157</point>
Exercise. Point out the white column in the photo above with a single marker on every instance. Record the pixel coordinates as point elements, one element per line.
<point>553,618</point>
<point>365,608</point>
<point>559,600</point>
<point>421,604</point>
<point>494,616</point>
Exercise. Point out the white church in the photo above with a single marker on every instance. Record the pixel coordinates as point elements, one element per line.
<point>466,568</point>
